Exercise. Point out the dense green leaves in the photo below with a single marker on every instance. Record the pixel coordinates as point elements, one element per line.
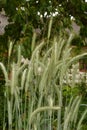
<point>27,15</point>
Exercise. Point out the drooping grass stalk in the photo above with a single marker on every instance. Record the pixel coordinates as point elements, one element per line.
<point>33,41</point>
<point>40,110</point>
<point>49,28</point>
<point>4,72</point>
<point>19,56</point>
<point>10,51</point>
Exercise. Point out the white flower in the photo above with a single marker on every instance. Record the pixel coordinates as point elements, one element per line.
<point>22,8</point>
<point>45,14</point>
<point>37,1</point>
<point>38,13</point>
<point>50,1</point>
<point>16,8</point>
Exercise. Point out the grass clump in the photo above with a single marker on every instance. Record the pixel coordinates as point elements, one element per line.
<point>34,89</point>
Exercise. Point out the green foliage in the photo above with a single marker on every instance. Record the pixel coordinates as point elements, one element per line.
<point>2,4</point>
<point>77,41</point>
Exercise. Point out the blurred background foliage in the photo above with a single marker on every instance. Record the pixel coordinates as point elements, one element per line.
<point>28,16</point>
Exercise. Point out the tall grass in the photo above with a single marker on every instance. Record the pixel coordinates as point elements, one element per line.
<point>34,90</point>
